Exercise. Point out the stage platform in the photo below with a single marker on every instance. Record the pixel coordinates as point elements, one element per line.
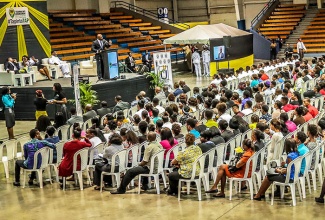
<point>106,90</point>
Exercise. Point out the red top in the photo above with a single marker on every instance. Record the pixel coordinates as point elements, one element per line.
<point>307,117</point>
<point>312,110</point>
<point>289,107</point>
<point>264,77</point>
<point>69,149</point>
<point>322,91</point>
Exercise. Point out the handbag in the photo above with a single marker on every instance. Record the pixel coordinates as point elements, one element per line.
<point>233,162</point>
<point>271,172</point>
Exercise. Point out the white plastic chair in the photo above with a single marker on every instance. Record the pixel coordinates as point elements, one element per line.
<point>59,156</point>
<point>134,161</point>
<point>197,179</point>
<point>302,179</point>
<point>160,170</point>
<point>259,173</point>
<point>245,135</point>
<point>121,156</point>
<point>220,151</point>
<point>64,132</point>
<point>10,148</point>
<point>83,154</point>
<point>297,165</point>
<point>211,156</point>
<point>21,141</point>
<point>173,150</point>
<point>44,156</point>
<point>91,166</point>
<point>253,159</point>
<point>316,169</point>
<point>232,145</point>
<point>87,124</point>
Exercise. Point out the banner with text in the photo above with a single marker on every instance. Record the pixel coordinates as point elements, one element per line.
<point>17,16</point>
<point>163,67</point>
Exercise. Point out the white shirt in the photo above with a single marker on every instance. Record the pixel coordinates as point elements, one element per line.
<point>301,46</point>
<point>94,142</point>
<point>247,111</point>
<point>224,116</point>
<point>168,125</point>
<point>160,109</point>
<point>54,59</point>
<point>140,112</point>
<point>206,56</point>
<point>216,81</point>
<point>269,91</point>
<point>196,57</point>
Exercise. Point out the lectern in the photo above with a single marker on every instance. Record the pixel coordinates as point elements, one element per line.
<point>110,64</point>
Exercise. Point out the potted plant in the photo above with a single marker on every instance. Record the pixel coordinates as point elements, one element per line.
<point>87,95</point>
<point>155,80</point>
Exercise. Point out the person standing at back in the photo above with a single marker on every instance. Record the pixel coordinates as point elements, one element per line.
<point>301,48</point>
<point>206,60</point>
<point>196,60</point>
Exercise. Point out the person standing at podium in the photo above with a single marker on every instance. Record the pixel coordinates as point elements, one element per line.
<point>98,46</point>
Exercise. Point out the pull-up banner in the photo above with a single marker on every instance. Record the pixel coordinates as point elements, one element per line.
<point>17,16</point>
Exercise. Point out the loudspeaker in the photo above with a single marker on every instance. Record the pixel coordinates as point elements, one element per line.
<point>227,41</point>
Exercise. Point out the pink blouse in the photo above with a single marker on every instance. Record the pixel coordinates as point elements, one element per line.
<point>166,145</point>
<point>291,126</point>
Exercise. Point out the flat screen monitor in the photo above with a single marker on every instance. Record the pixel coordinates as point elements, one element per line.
<point>219,53</point>
<point>112,64</point>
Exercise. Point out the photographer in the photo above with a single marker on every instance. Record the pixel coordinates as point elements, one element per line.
<point>8,100</point>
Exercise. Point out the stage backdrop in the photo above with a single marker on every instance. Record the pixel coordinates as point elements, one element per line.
<point>240,53</point>
<point>24,29</point>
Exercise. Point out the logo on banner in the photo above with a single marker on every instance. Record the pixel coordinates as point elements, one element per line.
<point>163,68</point>
<point>17,16</point>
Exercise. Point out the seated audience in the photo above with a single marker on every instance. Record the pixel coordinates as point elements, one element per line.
<point>120,105</point>
<point>291,126</point>
<point>208,116</point>
<point>143,167</point>
<point>311,109</point>
<point>103,110</point>
<point>167,141</point>
<point>190,125</point>
<point>74,117</point>
<point>42,123</point>
<point>225,133</point>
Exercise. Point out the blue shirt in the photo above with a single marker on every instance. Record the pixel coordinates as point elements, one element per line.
<point>302,150</point>
<point>53,140</point>
<point>195,133</point>
<point>292,156</point>
<point>156,119</point>
<point>29,150</point>
<point>254,83</point>
<point>8,101</point>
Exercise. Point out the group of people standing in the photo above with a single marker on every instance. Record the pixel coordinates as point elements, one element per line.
<point>40,102</point>
<point>193,59</point>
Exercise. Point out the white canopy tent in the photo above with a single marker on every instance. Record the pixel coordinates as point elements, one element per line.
<point>202,34</point>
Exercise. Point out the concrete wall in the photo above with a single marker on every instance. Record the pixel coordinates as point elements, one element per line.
<point>60,4</point>
<point>251,9</point>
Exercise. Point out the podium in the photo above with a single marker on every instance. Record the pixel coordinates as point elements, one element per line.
<point>110,68</point>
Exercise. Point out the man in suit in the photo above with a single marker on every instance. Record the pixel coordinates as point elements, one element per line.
<point>120,105</point>
<point>98,46</point>
<point>104,109</point>
<point>147,60</point>
<point>90,113</point>
<point>64,66</point>
<point>221,55</point>
<point>225,133</point>
<point>129,61</point>
<point>12,65</point>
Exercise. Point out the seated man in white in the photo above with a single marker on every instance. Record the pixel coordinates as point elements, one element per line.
<point>55,60</point>
<point>247,108</point>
